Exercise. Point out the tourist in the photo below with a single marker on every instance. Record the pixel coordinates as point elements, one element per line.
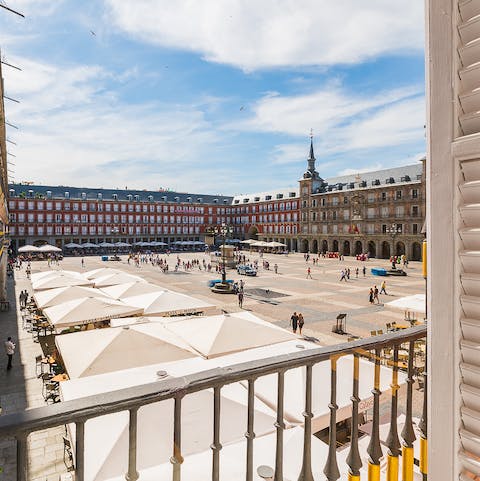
<point>301,322</point>
<point>375,294</point>
<point>347,273</point>
<point>309,273</point>
<point>343,276</point>
<point>240,299</point>
<point>21,300</point>
<point>9,349</point>
<point>356,272</point>
<point>294,322</point>
<point>370,296</point>
<point>276,268</point>
<point>383,287</point>
<point>83,263</point>
<point>364,270</point>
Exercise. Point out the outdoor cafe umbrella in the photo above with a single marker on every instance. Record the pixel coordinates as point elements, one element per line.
<point>116,278</point>
<point>106,244</point>
<point>49,248</point>
<point>275,244</point>
<point>28,248</point>
<point>72,245</point>
<point>87,310</point>
<point>158,243</point>
<point>60,280</point>
<point>89,245</point>
<point>248,241</point>
<point>52,297</point>
<point>129,289</point>
<point>122,244</point>
<point>102,271</point>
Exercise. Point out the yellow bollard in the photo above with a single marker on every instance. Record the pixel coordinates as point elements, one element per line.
<point>407,465</point>
<point>423,456</point>
<point>373,472</point>
<point>353,477</point>
<point>392,468</point>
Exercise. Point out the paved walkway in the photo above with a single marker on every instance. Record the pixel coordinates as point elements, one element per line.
<point>20,389</point>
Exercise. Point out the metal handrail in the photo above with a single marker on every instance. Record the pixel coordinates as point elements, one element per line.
<point>80,410</point>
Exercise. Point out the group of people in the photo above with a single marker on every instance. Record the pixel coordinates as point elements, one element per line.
<point>23,299</point>
<point>374,292</point>
<point>297,322</point>
<point>345,273</point>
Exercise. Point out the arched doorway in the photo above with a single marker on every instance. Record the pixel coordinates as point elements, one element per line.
<point>304,245</point>
<point>416,252</point>
<point>385,250</point>
<point>346,248</point>
<point>315,247</point>
<point>372,249</point>
<point>294,245</point>
<point>252,233</point>
<point>335,246</point>
<point>324,246</point>
<point>400,249</point>
<point>358,248</point>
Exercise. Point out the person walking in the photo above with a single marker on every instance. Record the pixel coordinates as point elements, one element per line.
<point>375,294</point>
<point>343,276</point>
<point>309,273</point>
<point>9,349</point>
<point>383,288</point>
<point>301,322</point>
<point>294,322</point>
<point>83,262</point>
<point>356,272</point>
<point>348,273</point>
<point>21,300</point>
<point>275,267</point>
<point>240,299</point>
<point>364,270</point>
<point>370,296</point>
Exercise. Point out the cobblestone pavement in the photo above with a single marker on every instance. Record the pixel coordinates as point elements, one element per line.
<point>320,300</point>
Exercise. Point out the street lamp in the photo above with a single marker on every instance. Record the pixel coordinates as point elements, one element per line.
<point>222,231</point>
<point>393,231</point>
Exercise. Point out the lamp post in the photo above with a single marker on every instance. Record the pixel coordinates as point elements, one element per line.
<point>222,231</point>
<point>393,231</point>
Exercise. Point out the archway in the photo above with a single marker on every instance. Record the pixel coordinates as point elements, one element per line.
<point>358,248</point>
<point>416,252</point>
<point>315,247</point>
<point>294,245</point>
<point>346,248</point>
<point>304,244</point>
<point>335,246</point>
<point>372,249</point>
<point>40,243</point>
<point>252,233</point>
<point>385,250</point>
<point>324,246</point>
<point>400,249</point>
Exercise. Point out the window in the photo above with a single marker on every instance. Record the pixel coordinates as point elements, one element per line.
<point>414,194</point>
<point>371,197</point>
<point>334,215</point>
<point>398,194</point>
<point>414,210</point>
<point>314,203</point>
<point>345,200</point>
<point>414,228</point>
<point>384,196</point>
<point>384,228</point>
<point>335,201</point>
<point>323,202</point>
<point>346,214</point>
<point>84,206</point>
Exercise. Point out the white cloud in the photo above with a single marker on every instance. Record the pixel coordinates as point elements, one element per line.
<point>275,33</point>
<point>75,131</point>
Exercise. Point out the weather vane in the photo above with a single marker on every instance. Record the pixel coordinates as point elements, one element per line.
<point>311,133</point>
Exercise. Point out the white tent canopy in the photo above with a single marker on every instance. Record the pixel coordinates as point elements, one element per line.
<point>72,245</point>
<point>52,297</point>
<point>129,289</point>
<point>260,244</point>
<point>49,248</point>
<point>248,241</point>
<point>409,303</point>
<point>275,244</point>
<point>106,437</point>
<point>116,278</point>
<point>164,303</point>
<point>106,244</point>
<point>87,310</point>
<point>60,280</point>
<point>89,245</point>
<point>214,336</point>
<point>28,248</point>
<point>51,273</point>
<point>113,349</point>
<point>122,244</point>
<point>102,271</point>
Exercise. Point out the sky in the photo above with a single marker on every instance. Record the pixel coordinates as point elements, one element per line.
<point>211,96</point>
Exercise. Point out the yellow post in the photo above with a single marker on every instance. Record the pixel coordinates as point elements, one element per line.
<point>373,472</point>
<point>407,465</point>
<point>424,258</point>
<point>392,468</point>
<point>352,477</point>
<point>423,456</point>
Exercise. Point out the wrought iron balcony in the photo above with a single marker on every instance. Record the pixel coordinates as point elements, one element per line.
<point>79,411</point>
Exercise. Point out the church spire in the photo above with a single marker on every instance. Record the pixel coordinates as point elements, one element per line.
<point>311,173</point>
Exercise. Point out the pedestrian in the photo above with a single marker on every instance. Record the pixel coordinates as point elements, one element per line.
<point>301,322</point>
<point>83,263</point>
<point>383,286</point>
<point>294,322</point>
<point>370,296</point>
<point>348,273</point>
<point>343,276</point>
<point>240,299</point>
<point>21,300</point>
<point>9,349</point>
<point>309,274</point>
<point>375,294</point>
<point>364,270</point>
<point>242,283</point>
<point>356,272</point>
<point>276,268</point>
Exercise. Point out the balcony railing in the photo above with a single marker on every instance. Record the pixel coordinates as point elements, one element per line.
<point>20,425</point>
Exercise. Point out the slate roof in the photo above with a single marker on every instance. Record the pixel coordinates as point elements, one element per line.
<point>58,192</point>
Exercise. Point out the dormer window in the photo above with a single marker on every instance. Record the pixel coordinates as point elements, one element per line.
<point>67,195</point>
<point>279,196</point>
<point>99,196</point>
<point>137,198</point>
<point>84,195</point>
<point>11,192</point>
<point>114,196</point>
<point>164,198</point>
<point>129,197</point>
<point>363,183</point>
<point>246,200</point>
<point>268,197</point>
<point>215,201</point>
<point>150,198</point>
<point>176,199</point>
<point>49,194</point>
<point>351,185</point>
<point>189,199</point>
<point>292,194</point>
<point>199,199</point>
<point>225,201</point>
<point>256,199</point>
<point>236,201</point>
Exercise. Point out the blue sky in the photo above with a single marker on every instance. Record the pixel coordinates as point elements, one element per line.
<point>212,97</point>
